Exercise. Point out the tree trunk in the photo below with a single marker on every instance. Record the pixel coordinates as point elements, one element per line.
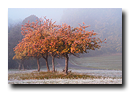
<point>38,64</point>
<point>46,59</point>
<point>19,66</point>
<point>47,65</point>
<point>53,64</point>
<point>66,64</point>
<point>23,65</point>
<point>20,63</point>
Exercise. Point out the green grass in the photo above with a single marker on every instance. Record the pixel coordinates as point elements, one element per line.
<point>49,75</point>
<point>112,62</point>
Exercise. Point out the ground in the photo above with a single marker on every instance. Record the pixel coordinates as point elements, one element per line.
<point>108,77</point>
<point>108,68</point>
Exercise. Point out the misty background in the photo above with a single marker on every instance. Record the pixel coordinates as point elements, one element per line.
<point>107,22</point>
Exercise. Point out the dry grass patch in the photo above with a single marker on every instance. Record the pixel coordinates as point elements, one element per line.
<point>49,75</point>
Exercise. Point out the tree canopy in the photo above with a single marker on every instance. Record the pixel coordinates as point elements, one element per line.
<point>44,38</point>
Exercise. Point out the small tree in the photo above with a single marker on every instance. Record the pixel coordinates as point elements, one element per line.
<point>20,59</point>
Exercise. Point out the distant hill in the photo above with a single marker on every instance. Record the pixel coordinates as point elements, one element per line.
<point>31,18</point>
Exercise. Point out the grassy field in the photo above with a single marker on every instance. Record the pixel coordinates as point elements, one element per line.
<point>111,62</point>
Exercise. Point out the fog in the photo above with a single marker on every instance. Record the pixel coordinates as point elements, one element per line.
<point>18,14</point>
<point>105,21</point>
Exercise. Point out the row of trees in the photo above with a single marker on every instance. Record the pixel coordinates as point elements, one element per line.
<point>45,38</point>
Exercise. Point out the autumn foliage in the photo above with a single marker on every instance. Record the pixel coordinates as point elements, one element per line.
<point>45,38</point>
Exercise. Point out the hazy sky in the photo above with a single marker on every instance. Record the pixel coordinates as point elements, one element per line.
<point>21,13</point>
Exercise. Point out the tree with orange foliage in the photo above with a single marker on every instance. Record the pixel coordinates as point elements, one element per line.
<point>77,40</point>
<point>31,42</point>
<point>46,38</point>
<point>36,42</point>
